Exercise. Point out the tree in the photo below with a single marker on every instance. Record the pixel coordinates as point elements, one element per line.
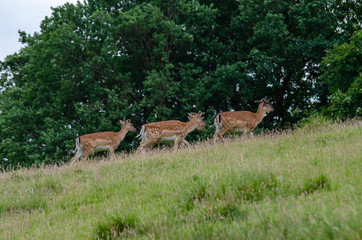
<point>284,42</point>
<point>96,62</point>
<point>342,73</point>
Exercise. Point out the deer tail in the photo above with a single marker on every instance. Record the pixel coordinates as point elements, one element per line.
<point>217,123</point>
<point>142,135</point>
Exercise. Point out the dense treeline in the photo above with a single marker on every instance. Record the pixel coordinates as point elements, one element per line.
<point>99,61</point>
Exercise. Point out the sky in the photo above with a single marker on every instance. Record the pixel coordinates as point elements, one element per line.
<point>24,15</point>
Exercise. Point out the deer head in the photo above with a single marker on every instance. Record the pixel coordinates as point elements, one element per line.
<point>199,120</point>
<point>264,104</point>
<point>127,125</point>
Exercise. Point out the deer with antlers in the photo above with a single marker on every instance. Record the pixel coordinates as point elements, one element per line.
<point>169,131</point>
<point>240,120</point>
<point>102,141</point>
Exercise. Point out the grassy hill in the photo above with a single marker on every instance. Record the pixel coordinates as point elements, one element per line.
<point>301,184</point>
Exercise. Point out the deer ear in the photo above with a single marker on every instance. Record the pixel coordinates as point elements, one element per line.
<point>258,101</point>
<point>122,122</point>
<point>128,120</point>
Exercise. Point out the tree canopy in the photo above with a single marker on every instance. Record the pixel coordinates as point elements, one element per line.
<point>342,73</point>
<point>96,62</point>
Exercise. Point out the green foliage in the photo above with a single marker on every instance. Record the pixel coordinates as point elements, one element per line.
<point>116,226</point>
<point>348,104</point>
<point>343,73</point>
<point>96,62</point>
<point>314,122</point>
<point>342,65</point>
<point>313,185</point>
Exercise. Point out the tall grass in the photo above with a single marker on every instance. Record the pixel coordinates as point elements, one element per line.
<point>300,184</point>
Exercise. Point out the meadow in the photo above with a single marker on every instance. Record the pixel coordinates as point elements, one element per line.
<point>303,183</point>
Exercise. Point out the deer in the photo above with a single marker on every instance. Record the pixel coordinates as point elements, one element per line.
<point>169,131</point>
<point>240,120</point>
<point>102,141</point>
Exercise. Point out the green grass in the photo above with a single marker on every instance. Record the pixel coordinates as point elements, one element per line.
<point>301,184</point>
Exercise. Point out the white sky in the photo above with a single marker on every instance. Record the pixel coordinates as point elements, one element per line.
<point>24,15</point>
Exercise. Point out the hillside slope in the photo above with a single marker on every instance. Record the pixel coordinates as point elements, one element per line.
<point>302,184</point>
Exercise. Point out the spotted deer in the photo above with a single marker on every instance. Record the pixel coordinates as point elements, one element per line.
<point>102,141</point>
<point>169,131</point>
<point>240,120</point>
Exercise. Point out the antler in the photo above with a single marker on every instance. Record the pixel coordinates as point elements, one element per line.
<point>192,114</point>
<point>199,113</point>
<point>267,100</point>
<point>264,100</point>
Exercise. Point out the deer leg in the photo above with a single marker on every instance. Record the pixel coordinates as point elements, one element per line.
<point>246,132</point>
<point>221,133</point>
<point>86,154</point>
<point>144,144</point>
<point>79,153</point>
<point>151,145</point>
<point>111,153</point>
<point>216,136</point>
<point>177,141</point>
<point>185,142</point>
